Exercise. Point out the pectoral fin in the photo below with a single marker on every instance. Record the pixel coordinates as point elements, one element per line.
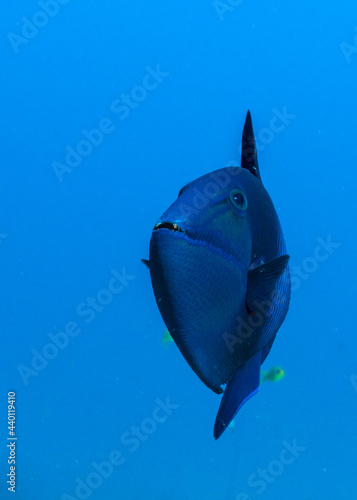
<point>242,385</point>
<point>262,280</point>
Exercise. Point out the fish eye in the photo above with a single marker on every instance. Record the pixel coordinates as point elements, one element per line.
<point>238,199</point>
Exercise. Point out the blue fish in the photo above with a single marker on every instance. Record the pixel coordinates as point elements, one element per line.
<point>219,271</point>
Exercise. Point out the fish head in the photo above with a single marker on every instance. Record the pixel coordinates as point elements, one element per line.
<point>211,215</point>
<point>200,254</point>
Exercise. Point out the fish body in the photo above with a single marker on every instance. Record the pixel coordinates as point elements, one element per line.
<point>220,276</point>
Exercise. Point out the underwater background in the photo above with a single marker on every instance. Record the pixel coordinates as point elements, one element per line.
<point>108,109</point>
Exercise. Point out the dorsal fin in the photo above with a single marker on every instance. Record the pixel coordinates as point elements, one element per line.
<point>249,158</point>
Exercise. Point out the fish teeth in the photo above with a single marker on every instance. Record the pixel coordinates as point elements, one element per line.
<point>168,225</point>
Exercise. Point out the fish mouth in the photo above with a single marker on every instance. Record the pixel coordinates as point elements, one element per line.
<point>168,225</point>
<point>193,239</point>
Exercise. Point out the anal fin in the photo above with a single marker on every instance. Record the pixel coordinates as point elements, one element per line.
<point>242,385</point>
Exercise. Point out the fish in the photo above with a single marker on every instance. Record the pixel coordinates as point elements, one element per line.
<point>273,375</point>
<point>220,276</point>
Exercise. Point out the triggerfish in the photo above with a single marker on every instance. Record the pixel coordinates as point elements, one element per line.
<point>219,271</point>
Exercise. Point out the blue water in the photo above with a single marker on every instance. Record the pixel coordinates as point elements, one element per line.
<point>191,70</point>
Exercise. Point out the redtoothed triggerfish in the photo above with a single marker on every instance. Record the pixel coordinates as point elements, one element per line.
<point>219,271</point>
